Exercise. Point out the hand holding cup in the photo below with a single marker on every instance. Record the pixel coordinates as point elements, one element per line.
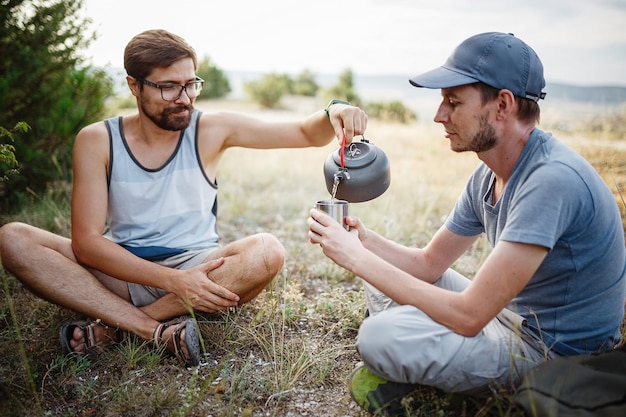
<point>337,209</point>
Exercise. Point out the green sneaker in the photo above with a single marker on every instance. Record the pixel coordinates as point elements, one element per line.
<point>377,395</point>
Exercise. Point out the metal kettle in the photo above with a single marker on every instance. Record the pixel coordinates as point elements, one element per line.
<point>357,172</point>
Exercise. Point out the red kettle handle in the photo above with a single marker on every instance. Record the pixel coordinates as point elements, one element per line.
<point>341,152</point>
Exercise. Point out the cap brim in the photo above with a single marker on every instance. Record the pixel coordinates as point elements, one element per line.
<point>441,78</point>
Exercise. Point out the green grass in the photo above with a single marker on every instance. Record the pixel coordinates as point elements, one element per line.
<point>290,350</point>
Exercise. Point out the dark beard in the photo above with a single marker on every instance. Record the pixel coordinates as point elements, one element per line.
<point>165,122</point>
<point>485,139</point>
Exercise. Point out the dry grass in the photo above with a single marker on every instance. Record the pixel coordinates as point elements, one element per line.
<point>288,352</point>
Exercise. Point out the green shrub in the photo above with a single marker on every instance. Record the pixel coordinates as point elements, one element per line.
<point>305,85</point>
<point>8,162</point>
<point>394,111</point>
<point>45,83</point>
<point>344,89</point>
<point>216,84</point>
<point>269,90</point>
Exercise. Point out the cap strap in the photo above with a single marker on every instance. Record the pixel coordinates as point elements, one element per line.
<point>535,98</point>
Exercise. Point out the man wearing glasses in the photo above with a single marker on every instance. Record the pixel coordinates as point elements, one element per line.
<point>144,248</point>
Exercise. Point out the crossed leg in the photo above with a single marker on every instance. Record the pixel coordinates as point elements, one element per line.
<point>46,265</point>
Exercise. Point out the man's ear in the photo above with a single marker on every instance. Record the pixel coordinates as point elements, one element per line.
<point>506,104</point>
<point>133,85</point>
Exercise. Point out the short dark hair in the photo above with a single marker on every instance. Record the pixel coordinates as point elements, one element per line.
<point>155,49</point>
<point>528,110</point>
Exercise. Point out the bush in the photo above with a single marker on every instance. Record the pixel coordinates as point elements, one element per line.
<point>305,85</point>
<point>344,89</point>
<point>45,83</point>
<point>394,111</point>
<point>8,163</point>
<point>269,90</point>
<point>216,84</point>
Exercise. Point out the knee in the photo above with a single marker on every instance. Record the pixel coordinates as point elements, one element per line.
<point>389,344</point>
<point>373,339</point>
<point>273,253</point>
<point>12,237</point>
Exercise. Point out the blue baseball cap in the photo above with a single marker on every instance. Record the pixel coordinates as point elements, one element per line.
<point>497,59</point>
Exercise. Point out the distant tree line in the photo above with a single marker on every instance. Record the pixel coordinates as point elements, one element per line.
<point>271,88</point>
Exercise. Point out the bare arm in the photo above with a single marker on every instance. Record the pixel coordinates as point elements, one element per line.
<point>393,269</point>
<point>89,209</point>
<point>221,131</point>
<point>427,264</point>
<point>315,130</point>
<point>505,273</point>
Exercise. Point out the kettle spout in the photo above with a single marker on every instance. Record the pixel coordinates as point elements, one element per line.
<point>341,175</point>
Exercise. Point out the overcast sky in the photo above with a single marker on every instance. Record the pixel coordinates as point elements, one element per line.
<point>579,41</point>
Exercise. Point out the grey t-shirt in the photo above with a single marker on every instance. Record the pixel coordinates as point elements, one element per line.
<point>554,198</point>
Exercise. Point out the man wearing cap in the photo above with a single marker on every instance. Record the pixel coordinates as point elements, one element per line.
<point>554,283</point>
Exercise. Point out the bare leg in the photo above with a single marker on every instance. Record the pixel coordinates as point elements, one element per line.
<point>45,263</point>
<point>250,265</point>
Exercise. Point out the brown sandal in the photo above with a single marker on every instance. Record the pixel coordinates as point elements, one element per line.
<point>192,341</point>
<point>66,333</point>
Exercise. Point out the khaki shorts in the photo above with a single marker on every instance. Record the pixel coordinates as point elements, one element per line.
<point>142,295</point>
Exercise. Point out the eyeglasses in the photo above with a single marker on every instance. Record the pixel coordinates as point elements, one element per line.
<point>172,92</point>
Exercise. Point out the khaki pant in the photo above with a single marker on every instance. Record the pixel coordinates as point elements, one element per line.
<point>403,344</point>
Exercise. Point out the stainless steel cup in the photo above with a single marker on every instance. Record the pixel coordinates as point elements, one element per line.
<point>337,209</point>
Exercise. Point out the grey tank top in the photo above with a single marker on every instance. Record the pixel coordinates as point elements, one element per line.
<point>159,212</point>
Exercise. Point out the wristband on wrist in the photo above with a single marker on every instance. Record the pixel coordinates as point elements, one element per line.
<point>331,102</point>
